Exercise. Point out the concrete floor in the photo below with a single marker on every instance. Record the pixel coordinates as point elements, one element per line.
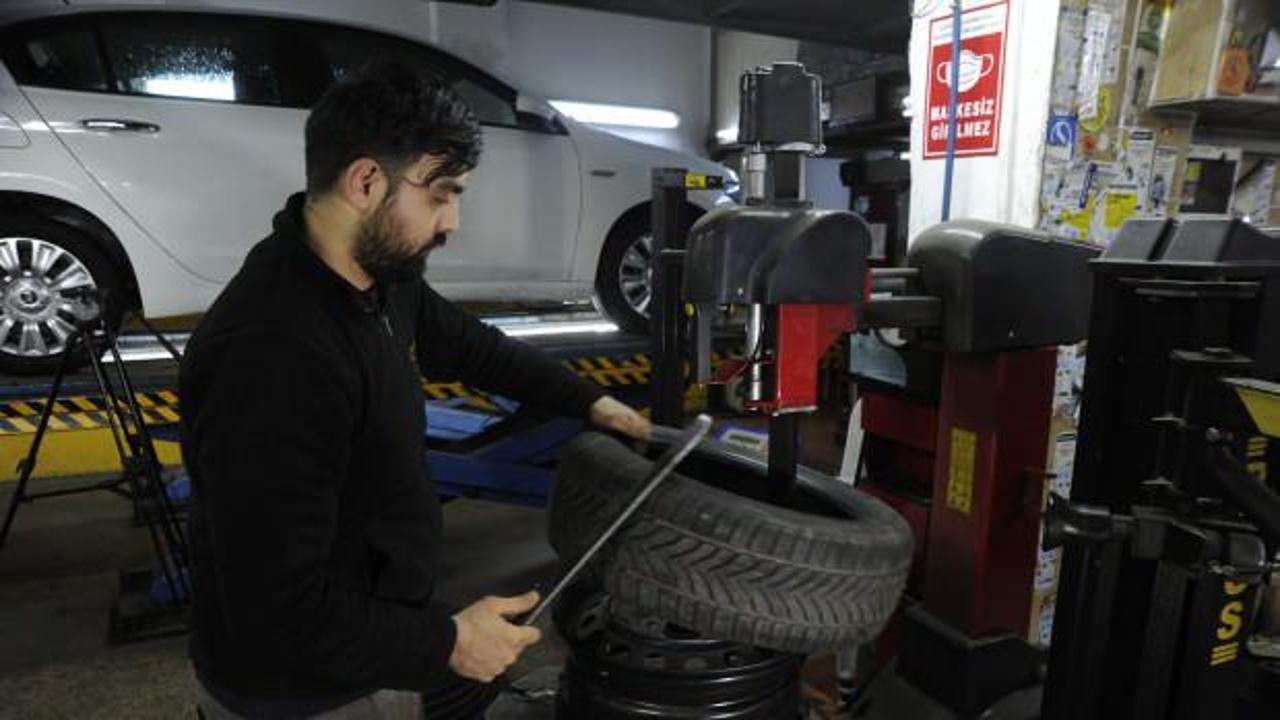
<point>58,578</point>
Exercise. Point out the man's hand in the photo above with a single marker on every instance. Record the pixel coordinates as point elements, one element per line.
<point>487,643</point>
<point>613,415</point>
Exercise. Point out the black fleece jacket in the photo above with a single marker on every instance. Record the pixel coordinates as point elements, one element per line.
<point>315,528</point>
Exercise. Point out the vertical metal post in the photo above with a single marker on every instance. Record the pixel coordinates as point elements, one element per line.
<point>1080,636</point>
<point>953,95</point>
<point>784,455</point>
<point>665,317</point>
<point>28,464</point>
<point>784,428</point>
<point>755,353</point>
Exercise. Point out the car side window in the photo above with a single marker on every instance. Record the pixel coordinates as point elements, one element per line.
<point>198,57</point>
<point>345,50</point>
<point>63,56</point>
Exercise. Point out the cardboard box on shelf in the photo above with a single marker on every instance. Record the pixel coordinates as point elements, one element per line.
<point>1193,28</point>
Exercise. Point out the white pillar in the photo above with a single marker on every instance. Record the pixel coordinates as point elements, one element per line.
<point>1004,187</point>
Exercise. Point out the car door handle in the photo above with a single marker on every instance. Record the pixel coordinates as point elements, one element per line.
<point>118,125</point>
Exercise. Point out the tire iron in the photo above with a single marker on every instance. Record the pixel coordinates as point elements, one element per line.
<point>662,467</point>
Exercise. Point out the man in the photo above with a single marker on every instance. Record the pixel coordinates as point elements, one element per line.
<point>315,527</point>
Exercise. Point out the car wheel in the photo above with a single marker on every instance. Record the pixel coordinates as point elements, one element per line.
<point>42,263</point>
<point>710,551</point>
<point>624,277</point>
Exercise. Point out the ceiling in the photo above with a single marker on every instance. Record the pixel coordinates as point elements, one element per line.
<point>875,25</point>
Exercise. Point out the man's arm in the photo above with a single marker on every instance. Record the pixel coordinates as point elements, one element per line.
<point>275,424</point>
<point>455,345</point>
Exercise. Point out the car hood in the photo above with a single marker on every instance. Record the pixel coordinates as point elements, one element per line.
<point>606,151</point>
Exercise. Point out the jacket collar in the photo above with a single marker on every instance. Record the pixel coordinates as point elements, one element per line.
<point>291,230</point>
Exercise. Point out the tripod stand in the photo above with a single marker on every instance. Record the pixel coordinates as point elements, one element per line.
<point>140,479</point>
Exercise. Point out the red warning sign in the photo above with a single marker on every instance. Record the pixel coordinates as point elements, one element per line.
<point>982,34</point>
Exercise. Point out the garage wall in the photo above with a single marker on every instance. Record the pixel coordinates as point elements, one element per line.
<point>548,51</point>
<point>1004,187</point>
<point>734,53</point>
<point>822,184</point>
<point>560,52</point>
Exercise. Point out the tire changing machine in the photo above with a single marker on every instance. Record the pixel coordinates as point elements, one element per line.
<point>802,274</point>
<point>985,299</point>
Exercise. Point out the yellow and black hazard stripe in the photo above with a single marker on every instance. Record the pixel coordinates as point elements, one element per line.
<point>612,372</point>
<point>159,407</point>
<point>91,451</point>
<point>83,412</point>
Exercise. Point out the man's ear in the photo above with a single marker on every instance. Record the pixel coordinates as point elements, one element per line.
<point>362,184</point>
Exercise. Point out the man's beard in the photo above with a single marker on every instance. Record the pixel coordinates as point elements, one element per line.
<point>384,254</point>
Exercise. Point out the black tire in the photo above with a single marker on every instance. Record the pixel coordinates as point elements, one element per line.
<point>105,274</point>
<point>610,297</point>
<point>825,571</point>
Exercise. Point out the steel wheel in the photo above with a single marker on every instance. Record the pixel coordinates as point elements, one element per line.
<point>36,315</point>
<point>635,274</point>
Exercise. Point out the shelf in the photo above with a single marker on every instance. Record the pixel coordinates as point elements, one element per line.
<point>1259,113</point>
<point>867,135</point>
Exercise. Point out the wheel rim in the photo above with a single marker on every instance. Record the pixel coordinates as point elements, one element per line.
<point>36,312</point>
<point>635,274</point>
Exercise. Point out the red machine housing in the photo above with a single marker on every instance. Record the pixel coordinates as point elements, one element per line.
<point>968,475</point>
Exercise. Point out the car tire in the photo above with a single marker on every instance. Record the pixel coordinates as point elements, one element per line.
<point>824,570</point>
<point>29,291</point>
<point>629,243</point>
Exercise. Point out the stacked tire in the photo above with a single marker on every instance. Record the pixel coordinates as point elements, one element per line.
<point>710,551</point>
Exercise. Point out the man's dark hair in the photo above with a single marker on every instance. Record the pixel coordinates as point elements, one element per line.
<point>388,112</point>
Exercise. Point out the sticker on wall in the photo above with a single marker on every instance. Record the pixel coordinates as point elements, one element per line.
<point>1094,117</point>
<point>1118,203</point>
<point>1060,138</point>
<point>1066,64</point>
<point>1137,161</point>
<point>1046,575</point>
<point>1094,143</point>
<point>1093,61</point>
<point>981,73</point>
<point>1163,169</point>
<point>1045,623</point>
<point>1142,63</point>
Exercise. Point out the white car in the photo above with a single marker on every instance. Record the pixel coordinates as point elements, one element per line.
<point>145,150</point>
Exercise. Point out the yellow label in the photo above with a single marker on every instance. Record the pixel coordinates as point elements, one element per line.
<point>1230,619</point>
<point>1230,622</point>
<point>1120,206</point>
<point>695,181</point>
<point>1101,114</point>
<point>1264,408</point>
<point>1222,654</point>
<point>1256,457</point>
<point>1079,221</point>
<point>964,451</point>
<point>1233,588</point>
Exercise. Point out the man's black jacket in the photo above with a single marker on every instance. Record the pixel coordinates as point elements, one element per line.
<point>315,527</point>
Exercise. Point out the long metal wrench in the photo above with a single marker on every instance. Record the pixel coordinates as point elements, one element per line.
<point>662,467</point>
